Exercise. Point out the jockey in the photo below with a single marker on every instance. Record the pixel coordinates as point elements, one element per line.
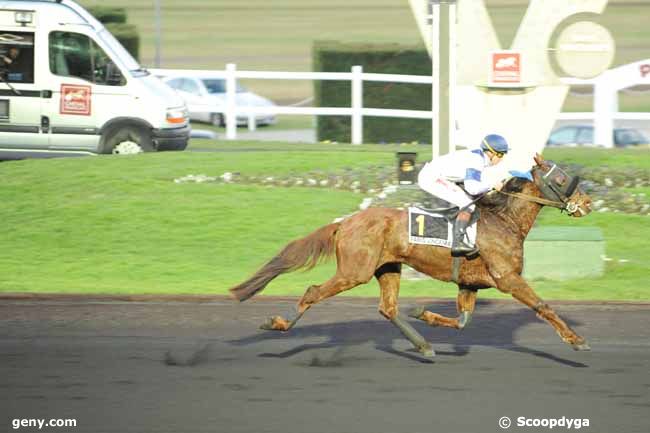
<point>441,177</point>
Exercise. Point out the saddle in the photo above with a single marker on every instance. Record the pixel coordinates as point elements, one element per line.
<point>434,226</point>
<point>448,210</point>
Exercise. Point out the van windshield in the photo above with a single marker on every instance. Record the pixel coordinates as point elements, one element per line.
<point>121,53</point>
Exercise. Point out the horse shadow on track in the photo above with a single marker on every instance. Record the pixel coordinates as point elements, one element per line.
<point>491,329</point>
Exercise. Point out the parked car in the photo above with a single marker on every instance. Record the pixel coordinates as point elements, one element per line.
<point>206,95</point>
<point>583,135</point>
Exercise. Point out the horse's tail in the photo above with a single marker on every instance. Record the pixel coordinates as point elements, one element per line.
<point>305,252</point>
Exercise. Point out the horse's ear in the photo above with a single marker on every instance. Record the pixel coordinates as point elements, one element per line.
<point>538,159</point>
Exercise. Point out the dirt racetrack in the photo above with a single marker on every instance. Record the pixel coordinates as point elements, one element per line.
<point>203,366</point>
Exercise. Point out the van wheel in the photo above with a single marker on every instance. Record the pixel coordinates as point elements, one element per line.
<point>128,140</point>
<point>216,119</point>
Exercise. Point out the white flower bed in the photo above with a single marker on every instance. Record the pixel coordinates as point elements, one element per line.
<point>379,186</point>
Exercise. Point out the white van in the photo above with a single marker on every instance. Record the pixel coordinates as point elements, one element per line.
<point>67,86</point>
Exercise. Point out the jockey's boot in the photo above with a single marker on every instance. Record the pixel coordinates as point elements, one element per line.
<point>459,246</point>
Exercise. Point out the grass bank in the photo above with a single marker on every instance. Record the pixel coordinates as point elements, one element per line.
<point>123,225</point>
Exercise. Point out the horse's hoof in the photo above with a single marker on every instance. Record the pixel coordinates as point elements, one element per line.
<point>464,319</point>
<point>268,325</point>
<point>275,323</point>
<point>427,351</point>
<point>581,347</point>
<point>416,312</point>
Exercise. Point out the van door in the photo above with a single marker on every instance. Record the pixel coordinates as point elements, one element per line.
<point>88,90</point>
<point>21,125</point>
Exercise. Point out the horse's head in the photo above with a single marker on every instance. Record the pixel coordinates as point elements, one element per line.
<point>560,188</point>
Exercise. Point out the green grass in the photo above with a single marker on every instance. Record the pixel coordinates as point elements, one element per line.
<point>345,155</point>
<point>640,190</point>
<point>593,157</point>
<point>279,35</point>
<point>628,272</point>
<point>631,158</point>
<point>106,224</point>
<point>632,102</point>
<point>121,225</point>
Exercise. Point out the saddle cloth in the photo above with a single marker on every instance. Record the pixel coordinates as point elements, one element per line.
<point>436,227</point>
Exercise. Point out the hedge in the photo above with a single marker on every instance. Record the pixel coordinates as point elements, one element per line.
<point>330,56</point>
<point>128,36</point>
<point>114,18</point>
<point>108,14</point>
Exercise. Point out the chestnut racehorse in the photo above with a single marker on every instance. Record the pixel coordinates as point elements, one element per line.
<point>374,242</point>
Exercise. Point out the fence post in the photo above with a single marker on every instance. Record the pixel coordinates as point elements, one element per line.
<point>357,105</point>
<point>252,122</point>
<point>605,105</point>
<point>231,89</point>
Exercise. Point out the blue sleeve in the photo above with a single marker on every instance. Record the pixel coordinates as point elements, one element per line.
<point>472,174</point>
<point>474,185</point>
<point>522,174</point>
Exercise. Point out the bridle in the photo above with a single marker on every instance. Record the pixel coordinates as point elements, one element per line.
<point>557,190</point>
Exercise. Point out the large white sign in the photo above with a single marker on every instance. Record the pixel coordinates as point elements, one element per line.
<point>525,116</point>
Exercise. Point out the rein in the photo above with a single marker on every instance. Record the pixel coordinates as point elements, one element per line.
<point>534,199</point>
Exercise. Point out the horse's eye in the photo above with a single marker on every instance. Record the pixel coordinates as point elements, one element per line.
<point>560,179</point>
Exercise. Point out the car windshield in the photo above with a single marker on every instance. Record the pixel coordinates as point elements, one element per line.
<point>564,135</point>
<point>585,135</point>
<point>215,85</point>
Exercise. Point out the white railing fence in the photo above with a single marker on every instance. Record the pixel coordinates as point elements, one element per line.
<point>356,111</point>
<point>616,115</point>
<point>606,89</point>
<point>610,112</point>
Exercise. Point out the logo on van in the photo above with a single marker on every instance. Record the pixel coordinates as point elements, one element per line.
<point>75,99</point>
<point>645,70</point>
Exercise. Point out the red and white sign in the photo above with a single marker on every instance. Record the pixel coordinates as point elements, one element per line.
<point>506,67</point>
<point>75,99</point>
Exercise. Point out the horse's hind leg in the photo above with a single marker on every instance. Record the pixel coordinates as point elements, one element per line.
<point>279,323</point>
<point>465,303</point>
<point>313,295</point>
<point>388,276</point>
<point>357,254</point>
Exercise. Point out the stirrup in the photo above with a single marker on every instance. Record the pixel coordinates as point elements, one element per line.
<point>459,248</point>
<point>463,250</point>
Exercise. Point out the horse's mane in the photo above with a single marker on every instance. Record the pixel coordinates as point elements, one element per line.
<point>496,202</point>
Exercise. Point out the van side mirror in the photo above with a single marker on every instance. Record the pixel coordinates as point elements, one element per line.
<point>113,75</point>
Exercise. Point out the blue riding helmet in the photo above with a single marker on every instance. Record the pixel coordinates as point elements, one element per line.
<point>495,143</point>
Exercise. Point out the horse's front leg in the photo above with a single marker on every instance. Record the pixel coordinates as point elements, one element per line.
<point>465,303</point>
<point>518,288</point>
